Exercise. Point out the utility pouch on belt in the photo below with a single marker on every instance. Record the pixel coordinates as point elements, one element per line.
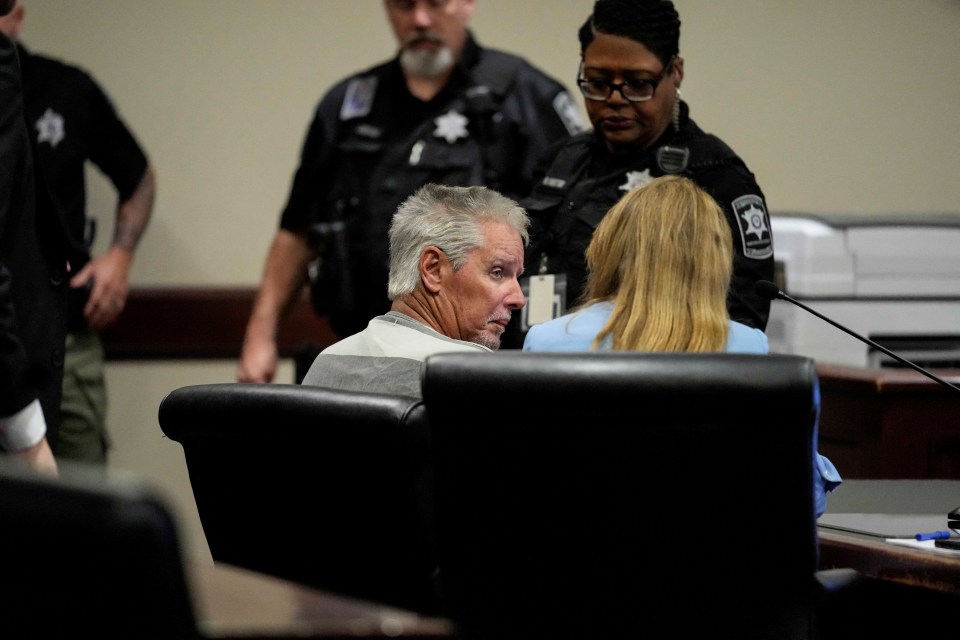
<point>331,290</point>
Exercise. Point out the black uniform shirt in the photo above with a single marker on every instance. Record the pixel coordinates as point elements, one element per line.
<point>372,143</point>
<point>71,120</point>
<point>582,180</point>
<point>32,265</point>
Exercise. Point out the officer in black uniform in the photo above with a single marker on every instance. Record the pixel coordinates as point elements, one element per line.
<point>71,121</point>
<point>630,77</point>
<point>34,251</point>
<point>445,110</point>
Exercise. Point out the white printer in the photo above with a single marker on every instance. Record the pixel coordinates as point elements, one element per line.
<point>893,278</point>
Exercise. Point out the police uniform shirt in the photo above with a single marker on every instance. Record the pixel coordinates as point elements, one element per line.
<point>584,180</point>
<point>32,275</point>
<point>71,120</point>
<point>372,143</point>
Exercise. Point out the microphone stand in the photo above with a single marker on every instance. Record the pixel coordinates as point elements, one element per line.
<point>781,294</point>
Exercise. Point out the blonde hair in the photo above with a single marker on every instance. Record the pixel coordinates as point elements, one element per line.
<point>664,256</point>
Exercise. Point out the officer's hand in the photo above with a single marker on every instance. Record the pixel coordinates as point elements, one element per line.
<point>258,361</point>
<point>40,457</point>
<point>109,293</point>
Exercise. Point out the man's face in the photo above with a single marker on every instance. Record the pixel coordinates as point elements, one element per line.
<point>482,295</point>
<point>431,33</point>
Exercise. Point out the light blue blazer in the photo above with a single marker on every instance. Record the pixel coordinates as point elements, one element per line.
<point>576,331</point>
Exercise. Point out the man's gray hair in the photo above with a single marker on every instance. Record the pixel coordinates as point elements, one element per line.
<point>448,218</point>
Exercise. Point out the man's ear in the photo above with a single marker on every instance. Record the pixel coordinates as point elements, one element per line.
<point>431,269</point>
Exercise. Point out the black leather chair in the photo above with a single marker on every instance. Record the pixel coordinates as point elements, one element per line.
<point>85,556</point>
<point>625,495</point>
<point>320,486</point>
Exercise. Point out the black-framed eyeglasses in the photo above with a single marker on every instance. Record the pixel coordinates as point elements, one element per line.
<point>633,90</point>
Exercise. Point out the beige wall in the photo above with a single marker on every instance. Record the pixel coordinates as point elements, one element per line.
<point>836,106</point>
<point>849,106</point>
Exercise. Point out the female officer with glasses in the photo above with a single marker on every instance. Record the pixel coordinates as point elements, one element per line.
<point>630,75</point>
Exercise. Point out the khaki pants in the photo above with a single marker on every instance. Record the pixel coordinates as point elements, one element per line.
<point>83,428</point>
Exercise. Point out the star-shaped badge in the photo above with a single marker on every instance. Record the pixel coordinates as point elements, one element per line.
<point>755,221</point>
<point>451,126</point>
<point>636,179</point>
<point>50,128</point>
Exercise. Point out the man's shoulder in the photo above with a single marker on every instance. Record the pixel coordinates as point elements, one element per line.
<point>47,66</point>
<point>498,62</point>
<point>360,85</point>
<point>378,70</point>
<point>505,58</point>
<point>395,335</point>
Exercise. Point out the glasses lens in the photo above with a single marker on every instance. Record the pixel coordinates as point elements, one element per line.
<point>637,91</point>
<point>594,89</point>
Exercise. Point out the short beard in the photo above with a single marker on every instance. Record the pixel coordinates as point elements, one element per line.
<point>488,339</point>
<point>426,64</point>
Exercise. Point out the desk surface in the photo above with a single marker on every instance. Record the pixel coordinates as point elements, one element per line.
<point>893,506</point>
<point>876,558</point>
<point>235,603</point>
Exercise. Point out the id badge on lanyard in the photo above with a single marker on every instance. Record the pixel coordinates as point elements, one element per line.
<point>546,296</point>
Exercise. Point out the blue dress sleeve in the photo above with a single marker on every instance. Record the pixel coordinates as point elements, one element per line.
<point>826,478</point>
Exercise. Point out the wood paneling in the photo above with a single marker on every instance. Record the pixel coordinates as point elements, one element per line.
<point>890,423</point>
<point>192,323</point>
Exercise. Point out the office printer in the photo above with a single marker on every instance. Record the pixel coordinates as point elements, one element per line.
<point>893,278</point>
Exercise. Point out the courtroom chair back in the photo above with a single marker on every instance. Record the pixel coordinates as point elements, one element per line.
<point>321,486</point>
<point>624,494</point>
<point>89,556</point>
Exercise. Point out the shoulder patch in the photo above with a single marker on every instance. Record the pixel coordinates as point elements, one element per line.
<point>359,97</point>
<point>754,224</point>
<point>568,113</point>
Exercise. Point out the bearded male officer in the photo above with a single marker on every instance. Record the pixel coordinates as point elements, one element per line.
<point>445,110</point>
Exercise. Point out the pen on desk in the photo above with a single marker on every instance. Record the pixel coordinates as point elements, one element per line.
<point>933,535</point>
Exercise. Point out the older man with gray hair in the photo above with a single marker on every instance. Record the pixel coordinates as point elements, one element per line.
<point>456,255</point>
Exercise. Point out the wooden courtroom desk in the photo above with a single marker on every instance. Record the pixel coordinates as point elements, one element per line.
<point>875,558</point>
<point>231,602</point>
<point>890,423</point>
<point>900,503</point>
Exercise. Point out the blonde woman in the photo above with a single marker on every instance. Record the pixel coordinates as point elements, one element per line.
<point>659,267</point>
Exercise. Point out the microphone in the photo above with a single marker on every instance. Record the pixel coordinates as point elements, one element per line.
<point>769,291</point>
